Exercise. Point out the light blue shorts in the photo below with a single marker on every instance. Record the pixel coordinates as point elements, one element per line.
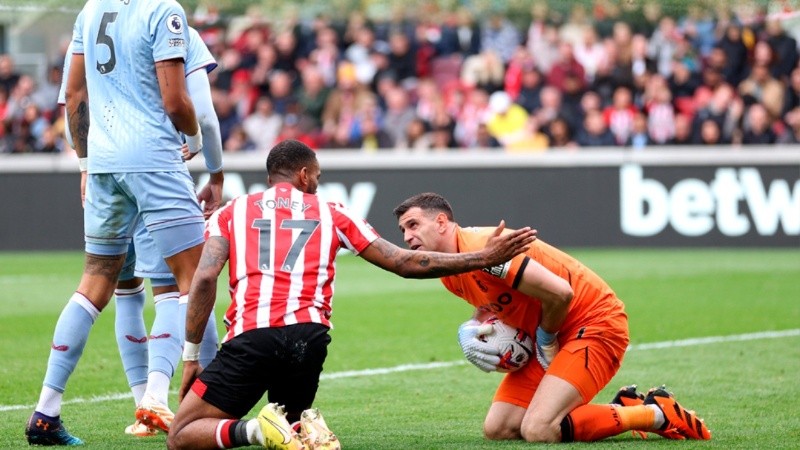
<point>165,202</point>
<point>143,260</point>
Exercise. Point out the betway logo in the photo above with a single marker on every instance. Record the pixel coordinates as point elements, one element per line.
<point>358,200</point>
<point>693,207</point>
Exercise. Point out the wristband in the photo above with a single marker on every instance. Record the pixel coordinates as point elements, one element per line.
<point>545,338</point>
<point>83,164</point>
<point>191,351</point>
<point>195,142</point>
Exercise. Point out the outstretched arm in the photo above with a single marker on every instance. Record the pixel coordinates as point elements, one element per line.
<point>422,264</point>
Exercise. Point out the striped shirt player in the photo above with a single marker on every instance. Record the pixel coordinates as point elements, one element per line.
<point>283,246</point>
<point>280,246</point>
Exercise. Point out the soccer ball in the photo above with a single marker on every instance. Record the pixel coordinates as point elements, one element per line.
<point>513,345</point>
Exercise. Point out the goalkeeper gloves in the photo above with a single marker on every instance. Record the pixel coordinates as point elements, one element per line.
<point>481,354</point>
<point>546,347</point>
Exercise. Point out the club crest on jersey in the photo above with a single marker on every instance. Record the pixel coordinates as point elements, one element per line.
<point>175,24</point>
<point>499,271</point>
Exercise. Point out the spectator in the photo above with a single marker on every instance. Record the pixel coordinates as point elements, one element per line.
<point>640,137</point>
<point>483,139</point>
<point>512,81</point>
<point>344,101</point>
<point>660,112</point>
<point>226,113</point>
<point>46,95</point>
<point>281,92</point>
<point>506,121</point>
<point>312,95</point>
<point>459,34</point>
<point>370,137</point>
<point>8,76</point>
<point>792,92</point>
<point>402,61</point>
<point>472,116</point>
<point>399,114</point>
<point>735,52</point>
<point>484,70</point>
<point>499,36</point>
<point>711,133</point>
<point>758,127</point>
<point>238,141</point>
<point>262,127</point>
<point>533,140</point>
<point>618,116</point>
<point>791,135</point>
<point>784,46</point>
<point>590,53</point>
<point>595,133</point>
<point>543,40</point>
<point>683,131</point>
<point>415,137</point>
<point>326,55</point>
<point>762,87</point>
<point>531,85</point>
<point>567,74</point>
<point>663,45</point>
<point>559,133</point>
<point>294,128</point>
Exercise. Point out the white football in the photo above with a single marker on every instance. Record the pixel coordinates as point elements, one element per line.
<point>514,345</point>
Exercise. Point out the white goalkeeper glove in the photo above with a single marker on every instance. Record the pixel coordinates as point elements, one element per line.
<point>546,347</point>
<point>481,354</point>
<point>195,142</point>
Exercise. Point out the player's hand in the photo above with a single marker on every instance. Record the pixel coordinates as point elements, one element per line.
<point>546,347</point>
<point>185,153</point>
<point>210,197</point>
<point>191,369</point>
<point>480,354</point>
<point>502,247</point>
<point>83,188</point>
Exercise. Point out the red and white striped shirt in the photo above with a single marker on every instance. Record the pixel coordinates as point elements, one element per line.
<point>283,246</point>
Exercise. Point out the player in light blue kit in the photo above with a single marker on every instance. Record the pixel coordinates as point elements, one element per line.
<point>150,363</point>
<point>128,68</point>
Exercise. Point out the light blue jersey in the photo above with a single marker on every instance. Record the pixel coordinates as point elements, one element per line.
<point>121,41</point>
<point>198,56</point>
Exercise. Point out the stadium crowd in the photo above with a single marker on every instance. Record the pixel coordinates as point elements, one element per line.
<point>603,74</point>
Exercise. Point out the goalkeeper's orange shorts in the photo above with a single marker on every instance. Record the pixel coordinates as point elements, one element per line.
<point>588,361</point>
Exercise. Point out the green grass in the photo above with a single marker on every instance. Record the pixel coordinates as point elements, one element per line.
<point>746,390</point>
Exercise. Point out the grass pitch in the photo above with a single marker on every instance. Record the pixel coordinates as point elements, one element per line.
<point>744,384</point>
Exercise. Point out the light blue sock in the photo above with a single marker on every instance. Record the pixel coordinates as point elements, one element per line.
<point>132,333</point>
<point>69,339</point>
<point>208,348</point>
<point>183,303</point>
<point>165,336</point>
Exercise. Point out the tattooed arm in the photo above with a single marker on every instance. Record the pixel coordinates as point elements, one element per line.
<point>202,295</point>
<point>77,105</point>
<point>177,103</point>
<point>422,264</point>
<point>203,292</point>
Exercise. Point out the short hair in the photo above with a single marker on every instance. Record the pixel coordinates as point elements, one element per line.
<point>427,201</point>
<point>289,157</point>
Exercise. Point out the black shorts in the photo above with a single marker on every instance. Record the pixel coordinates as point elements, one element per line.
<point>285,362</point>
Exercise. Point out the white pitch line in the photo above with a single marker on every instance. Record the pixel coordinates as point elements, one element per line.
<point>439,365</point>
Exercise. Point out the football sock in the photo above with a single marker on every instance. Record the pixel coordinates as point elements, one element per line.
<point>165,344</point>
<point>138,392</point>
<point>69,339</point>
<point>183,303</point>
<point>235,433</point>
<point>132,334</point>
<point>590,422</point>
<point>208,348</point>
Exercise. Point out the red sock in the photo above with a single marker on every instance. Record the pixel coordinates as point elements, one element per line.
<point>594,422</point>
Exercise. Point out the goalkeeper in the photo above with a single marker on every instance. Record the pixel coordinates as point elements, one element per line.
<point>581,332</point>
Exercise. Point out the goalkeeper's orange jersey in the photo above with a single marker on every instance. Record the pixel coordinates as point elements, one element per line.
<point>494,289</point>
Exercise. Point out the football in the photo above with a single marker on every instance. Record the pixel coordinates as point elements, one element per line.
<point>514,346</point>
